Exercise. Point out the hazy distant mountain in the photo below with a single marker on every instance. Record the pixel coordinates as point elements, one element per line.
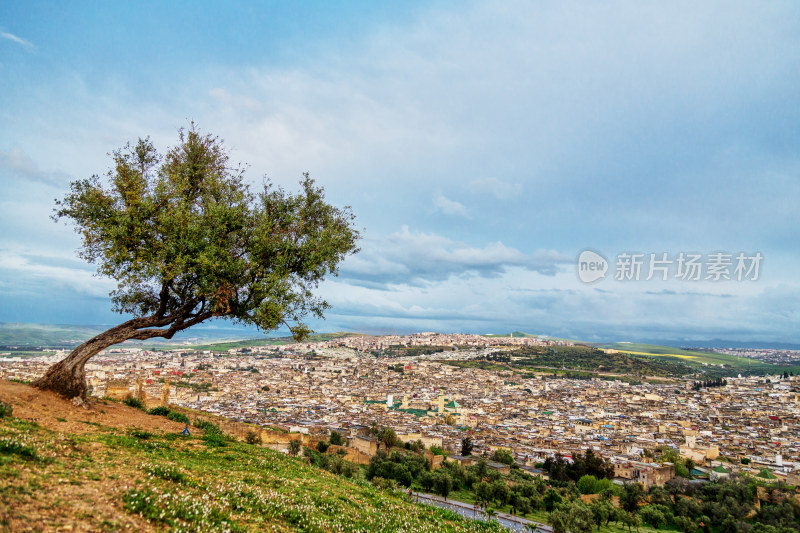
<point>66,335</point>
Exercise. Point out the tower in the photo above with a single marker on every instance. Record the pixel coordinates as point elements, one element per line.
<point>165,393</point>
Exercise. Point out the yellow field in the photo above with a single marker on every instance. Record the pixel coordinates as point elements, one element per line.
<point>681,356</point>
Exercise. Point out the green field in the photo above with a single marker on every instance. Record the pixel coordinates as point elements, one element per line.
<point>694,357</point>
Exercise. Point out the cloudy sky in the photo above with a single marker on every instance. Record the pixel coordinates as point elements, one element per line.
<point>482,146</point>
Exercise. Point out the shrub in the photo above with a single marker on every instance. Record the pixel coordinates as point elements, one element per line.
<point>337,439</point>
<point>158,411</point>
<point>252,438</point>
<point>322,446</point>
<point>385,484</point>
<point>5,410</point>
<point>294,447</point>
<point>177,417</point>
<point>134,402</point>
<point>207,427</point>
<point>141,434</point>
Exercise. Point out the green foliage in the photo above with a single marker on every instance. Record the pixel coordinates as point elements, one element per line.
<point>589,484</point>
<point>252,438</point>
<point>294,447</point>
<point>175,416</point>
<point>186,240</point>
<point>13,445</point>
<point>216,440</point>
<point>442,483</point>
<point>322,446</point>
<point>165,471</point>
<point>603,511</point>
<point>436,450</point>
<point>586,464</point>
<point>503,456</point>
<point>207,427</point>
<point>134,402</point>
<point>6,410</point>
<point>685,524</point>
<point>402,468</point>
<point>551,499</point>
<point>466,446</point>
<point>631,495</point>
<point>140,434</point>
<point>385,435</point>
<point>585,359</point>
<point>573,517</point>
<point>653,515</point>
<point>158,411</point>
<point>337,439</point>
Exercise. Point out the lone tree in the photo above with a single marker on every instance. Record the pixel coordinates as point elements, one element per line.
<point>187,241</point>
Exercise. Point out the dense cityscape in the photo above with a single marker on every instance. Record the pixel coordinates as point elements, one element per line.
<point>346,385</point>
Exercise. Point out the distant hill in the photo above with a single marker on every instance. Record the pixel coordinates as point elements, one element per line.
<point>67,336</point>
<point>45,335</point>
<point>695,358</point>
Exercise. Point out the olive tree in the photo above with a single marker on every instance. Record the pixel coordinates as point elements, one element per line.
<point>186,241</point>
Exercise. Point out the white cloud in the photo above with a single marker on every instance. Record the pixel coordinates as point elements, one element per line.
<point>450,207</point>
<point>15,162</point>
<point>18,40</point>
<point>25,272</point>
<point>418,258</point>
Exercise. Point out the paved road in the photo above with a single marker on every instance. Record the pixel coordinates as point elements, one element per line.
<point>514,523</point>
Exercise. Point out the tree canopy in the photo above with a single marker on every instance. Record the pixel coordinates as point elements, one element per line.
<point>187,240</point>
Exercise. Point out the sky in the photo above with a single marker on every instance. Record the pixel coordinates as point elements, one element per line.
<point>482,146</point>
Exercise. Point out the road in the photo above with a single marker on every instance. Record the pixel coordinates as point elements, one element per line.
<point>514,523</point>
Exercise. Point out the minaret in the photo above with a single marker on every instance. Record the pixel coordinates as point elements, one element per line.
<point>441,402</point>
<point>404,405</point>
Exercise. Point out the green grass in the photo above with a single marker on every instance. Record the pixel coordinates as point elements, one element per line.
<point>695,358</point>
<point>180,483</point>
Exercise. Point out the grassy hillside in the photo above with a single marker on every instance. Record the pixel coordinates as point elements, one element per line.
<point>112,467</point>
<point>582,358</point>
<point>693,357</point>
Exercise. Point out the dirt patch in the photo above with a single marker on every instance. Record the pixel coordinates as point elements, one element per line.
<point>51,411</point>
<point>80,488</point>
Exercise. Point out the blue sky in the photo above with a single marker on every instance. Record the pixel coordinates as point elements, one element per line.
<point>482,146</point>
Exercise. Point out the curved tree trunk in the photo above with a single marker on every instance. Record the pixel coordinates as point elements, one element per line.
<point>67,377</point>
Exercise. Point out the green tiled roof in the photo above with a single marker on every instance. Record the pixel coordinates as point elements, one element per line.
<point>766,474</point>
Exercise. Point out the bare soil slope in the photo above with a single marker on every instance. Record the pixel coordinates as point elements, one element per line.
<point>77,485</point>
<point>54,412</point>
